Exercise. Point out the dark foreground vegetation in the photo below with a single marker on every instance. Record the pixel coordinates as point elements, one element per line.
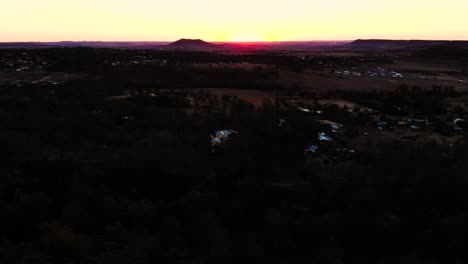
<point>117,167</point>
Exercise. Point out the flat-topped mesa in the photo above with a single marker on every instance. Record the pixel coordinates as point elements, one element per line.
<point>184,41</point>
<point>192,44</point>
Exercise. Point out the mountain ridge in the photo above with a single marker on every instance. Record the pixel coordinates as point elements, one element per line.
<point>192,44</point>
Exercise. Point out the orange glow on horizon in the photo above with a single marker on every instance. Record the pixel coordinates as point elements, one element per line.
<point>248,38</point>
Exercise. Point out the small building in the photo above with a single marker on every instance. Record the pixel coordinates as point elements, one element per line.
<point>218,138</point>
<point>305,110</point>
<point>311,149</point>
<point>458,121</point>
<point>323,137</point>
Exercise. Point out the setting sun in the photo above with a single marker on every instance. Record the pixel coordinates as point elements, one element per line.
<point>248,38</point>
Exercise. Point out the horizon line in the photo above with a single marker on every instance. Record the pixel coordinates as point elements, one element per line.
<point>218,41</point>
<point>213,41</point>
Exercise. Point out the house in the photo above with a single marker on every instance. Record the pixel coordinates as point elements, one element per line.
<point>224,133</point>
<point>458,130</point>
<point>332,124</point>
<point>323,137</point>
<point>311,149</point>
<point>219,137</point>
<point>458,121</point>
<point>305,110</point>
<point>215,141</point>
<point>335,127</point>
<point>402,123</point>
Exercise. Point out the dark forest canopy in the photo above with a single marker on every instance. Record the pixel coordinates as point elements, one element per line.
<point>110,160</point>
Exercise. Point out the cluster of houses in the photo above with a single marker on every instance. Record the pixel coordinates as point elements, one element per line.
<point>307,110</point>
<point>326,142</point>
<point>381,72</point>
<point>377,72</point>
<point>418,124</point>
<point>26,62</point>
<point>23,63</point>
<point>221,137</point>
<point>457,125</point>
<point>140,60</point>
<point>412,123</point>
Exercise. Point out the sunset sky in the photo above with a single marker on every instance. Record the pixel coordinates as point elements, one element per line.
<point>239,20</point>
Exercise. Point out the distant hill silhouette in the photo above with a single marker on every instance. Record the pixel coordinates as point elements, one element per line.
<point>193,44</point>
